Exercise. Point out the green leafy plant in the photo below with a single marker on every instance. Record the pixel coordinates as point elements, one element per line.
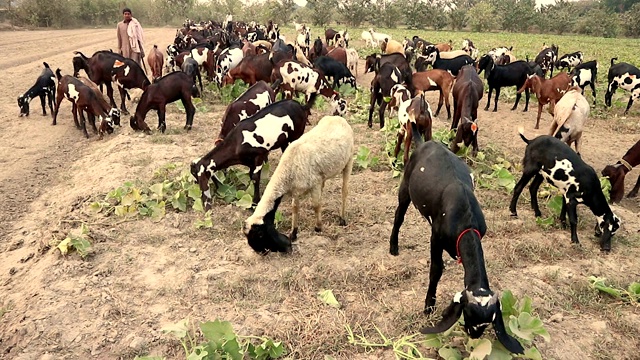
<point>197,103</point>
<point>363,158</point>
<point>327,297</point>
<point>221,342</point>
<point>229,93</point>
<point>631,294</point>
<point>76,240</point>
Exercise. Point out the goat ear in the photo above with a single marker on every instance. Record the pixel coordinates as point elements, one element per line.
<point>508,341</point>
<point>449,316</point>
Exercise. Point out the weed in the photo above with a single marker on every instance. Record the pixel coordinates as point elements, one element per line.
<point>363,158</point>
<point>76,240</point>
<point>631,294</point>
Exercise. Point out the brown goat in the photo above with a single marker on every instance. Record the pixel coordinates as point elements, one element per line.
<point>339,54</point>
<point>435,79</point>
<point>548,91</point>
<point>618,171</point>
<point>444,46</point>
<point>416,111</point>
<point>156,62</point>
<point>389,46</point>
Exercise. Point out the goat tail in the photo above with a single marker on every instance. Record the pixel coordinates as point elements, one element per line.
<point>521,132</point>
<point>46,65</point>
<point>613,59</point>
<point>155,46</point>
<point>417,138</point>
<point>276,84</point>
<point>58,74</point>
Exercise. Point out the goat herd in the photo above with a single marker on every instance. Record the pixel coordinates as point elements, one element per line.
<point>436,181</point>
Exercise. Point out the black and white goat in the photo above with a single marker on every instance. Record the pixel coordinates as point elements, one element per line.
<point>585,74</point>
<point>549,158</point>
<point>229,58</point>
<point>625,76</point>
<point>250,141</point>
<point>440,186</point>
<point>547,59</point>
<point>45,86</point>
<point>569,60</point>
<point>322,153</point>
<point>452,65</point>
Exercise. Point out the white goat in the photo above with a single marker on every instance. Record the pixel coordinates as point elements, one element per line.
<point>320,154</point>
<point>378,37</point>
<point>352,60</point>
<point>570,114</point>
<point>366,36</point>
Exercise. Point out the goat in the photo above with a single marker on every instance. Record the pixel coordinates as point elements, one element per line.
<point>570,114</point>
<point>292,76</point>
<point>391,47</point>
<point>444,47</point>
<point>399,94</point>
<point>617,172</point>
<point>467,93</point>
<point>625,76</point>
<point>388,76</point>
<point>169,88</point>
<point>331,35</point>
<point>435,79</point>
<point>352,60</point>
<point>585,74</point>
<point>549,158</point>
<point>547,59</point>
<point>413,111</point>
<point>229,58</point>
<point>190,67</point>
<point>250,141</point>
<point>103,103</point>
<point>335,70</point>
<point>128,74</point>
<point>451,65</point>
<point>548,91</point>
<point>440,186</point>
<point>338,54</point>
<point>499,76</point>
<point>569,60</point>
<point>320,154</point>
<point>254,99</point>
<point>156,62</point>
<point>45,86</point>
<point>368,39</point>
<point>378,37</point>
<point>469,48</point>
<point>83,99</point>
<point>374,62</point>
<point>251,70</point>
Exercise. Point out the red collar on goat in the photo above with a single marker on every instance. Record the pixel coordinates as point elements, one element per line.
<point>460,238</point>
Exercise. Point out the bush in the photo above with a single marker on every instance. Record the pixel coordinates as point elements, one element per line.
<point>598,22</point>
<point>483,17</point>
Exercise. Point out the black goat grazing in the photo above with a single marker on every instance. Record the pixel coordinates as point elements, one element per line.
<point>45,86</point>
<point>452,65</point>
<point>388,76</point>
<point>625,76</point>
<point>547,59</point>
<point>249,143</point>
<point>190,67</point>
<point>467,92</point>
<point>549,158</point>
<point>585,74</point>
<point>499,76</point>
<point>336,70</point>
<point>374,62</point>
<point>440,186</point>
<point>169,88</point>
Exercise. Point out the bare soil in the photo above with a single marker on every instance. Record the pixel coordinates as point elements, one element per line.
<point>144,275</point>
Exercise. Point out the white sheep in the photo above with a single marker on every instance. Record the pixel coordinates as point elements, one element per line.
<point>352,60</point>
<point>322,153</point>
<point>570,114</point>
<point>378,37</point>
<point>366,36</point>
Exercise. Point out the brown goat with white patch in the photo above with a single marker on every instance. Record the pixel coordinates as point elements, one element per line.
<point>435,79</point>
<point>618,171</point>
<point>548,91</point>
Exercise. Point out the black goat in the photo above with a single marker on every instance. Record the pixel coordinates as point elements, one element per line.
<point>440,186</point>
<point>547,59</point>
<point>45,86</point>
<point>336,70</point>
<point>249,143</point>
<point>625,76</point>
<point>190,67</point>
<point>549,158</point>
<point>499,76</point>
<point>169,88</point>
<point>452,65</point>
<point>585,74</point>
<point>374,62</point>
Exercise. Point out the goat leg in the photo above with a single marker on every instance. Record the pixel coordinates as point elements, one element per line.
<point>74,110</point>
<point>401,136</point>
<point>295,207</point>
<point>383,106</point>
<point>435,273</point>
<point>162,125</point>
<point>123,94</point>
<point>316,199</point>
<point>495,107</point>
<point>440,102</point>
<point>404,200</point>
<point>626,111</point>
<point>518,97</point>
<point>84,124</point>
<point>573,219</point>
<point>346,173</point>
<point>486,108</point>
<point>189,109</point>
<point>539,114</point>
<point>517,190</point>
<point>634,191</point>
<point>42,102</point>
<point>533,191</point>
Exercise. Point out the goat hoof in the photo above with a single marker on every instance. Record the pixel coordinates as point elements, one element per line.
<point>429,310</point>
<point>394,251</point>
<point>495,110</point>
<point>317,229</point>
<point>370,125</point>
<point>486,109</point>
<point>514,214</point>
<point>294,235</point>
<point>342,222</point>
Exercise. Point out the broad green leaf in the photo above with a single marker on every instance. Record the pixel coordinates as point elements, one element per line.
<point>232,349</point>
<point>506,179</point>
<point>197,205</point>
<point>478,348</point>
<point>120,210</point>
<point>480,156</point>
<point>81,245</point>
<point>198,353</point>
<point>327,297</point>
<point>545,222</point>
<point>498,352</point>
<point>524,334</point>
<point>218,331</point>
<point>433,340</point>
<point>448,353</point>
<point>555,204</point>
<point>194,192</point>
<point>532,353</point>
<point>598,283</point>
<point>526,305</point>
<point>157,189</point>
<point>179,201</point>
<point>179,329</point>
<point>508,302</point>
<point>96,206</point>
<point>634,289</point>
<point>245,202</point>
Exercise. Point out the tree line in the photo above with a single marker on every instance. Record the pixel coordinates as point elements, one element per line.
<point>605,18</point>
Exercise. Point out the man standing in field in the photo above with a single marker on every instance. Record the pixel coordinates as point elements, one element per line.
<point>130,37</point>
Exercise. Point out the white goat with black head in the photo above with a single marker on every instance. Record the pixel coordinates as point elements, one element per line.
<point>320,154</point>
<point>440,186</point>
